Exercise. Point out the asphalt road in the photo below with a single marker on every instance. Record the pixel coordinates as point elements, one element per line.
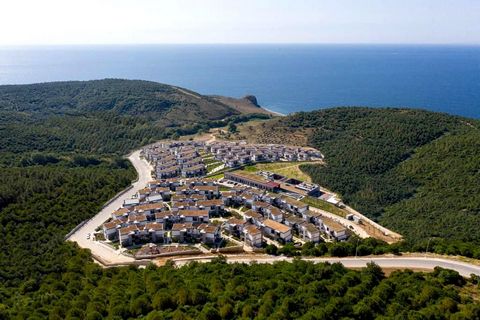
<point>109,256</point>
<point>100,251</point>
<point>465,269</point>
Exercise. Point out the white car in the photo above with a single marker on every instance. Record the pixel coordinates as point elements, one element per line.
<point>88,236</point>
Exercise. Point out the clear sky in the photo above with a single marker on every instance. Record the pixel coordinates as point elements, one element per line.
<point>29,22</point>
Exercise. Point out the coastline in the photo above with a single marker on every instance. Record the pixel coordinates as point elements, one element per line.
<point>274,112</point>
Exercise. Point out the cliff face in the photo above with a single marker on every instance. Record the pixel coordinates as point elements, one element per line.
<point>247,104</point>
<point>252,99</point>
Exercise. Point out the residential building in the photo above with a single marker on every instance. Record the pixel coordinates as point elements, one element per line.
<point>276,230</point>
<point>252,236</point>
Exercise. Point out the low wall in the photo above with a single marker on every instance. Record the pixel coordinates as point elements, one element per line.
<point>234,249</point>
<point>169,254</point>
<point>258,250</point>
<point>81,224</point>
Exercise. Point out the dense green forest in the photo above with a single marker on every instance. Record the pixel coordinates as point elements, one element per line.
<point>40,204</point>
<point>103,116</point>
<point>298,290</point>
<point>415,171</point>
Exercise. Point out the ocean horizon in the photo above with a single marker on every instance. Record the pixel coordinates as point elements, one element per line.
<point>284,78</point>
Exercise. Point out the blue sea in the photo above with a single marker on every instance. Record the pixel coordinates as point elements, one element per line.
<point>285,78</point>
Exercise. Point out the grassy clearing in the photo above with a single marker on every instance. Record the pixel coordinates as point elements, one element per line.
<point>210,169</point>
<point>217,176</point>
<point>288,169</point>
<point>324,205</point>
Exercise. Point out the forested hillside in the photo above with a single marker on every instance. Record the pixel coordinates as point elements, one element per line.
<point>40,204</point>
<point>103,116</point>
<point>415,171</point>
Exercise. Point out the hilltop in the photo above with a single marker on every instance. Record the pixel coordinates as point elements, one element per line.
<point>120,114</point>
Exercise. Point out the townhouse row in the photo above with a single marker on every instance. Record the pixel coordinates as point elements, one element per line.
<point>176,158</point>
<point>180,210</point>
<point>149,216</point>
<point>237,153</point>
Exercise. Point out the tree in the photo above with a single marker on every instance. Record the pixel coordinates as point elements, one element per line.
<point>232,127</point>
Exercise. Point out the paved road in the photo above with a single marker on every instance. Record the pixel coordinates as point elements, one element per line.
<point>463,268</point>
<point>100,251</point>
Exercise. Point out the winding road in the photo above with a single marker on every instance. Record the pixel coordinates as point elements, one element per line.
<point>101,252</point>
<point>107,256</point>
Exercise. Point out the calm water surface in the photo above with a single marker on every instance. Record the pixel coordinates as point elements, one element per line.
<point>285,78</point>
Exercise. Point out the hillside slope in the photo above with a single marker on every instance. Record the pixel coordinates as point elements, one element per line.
<point>415,171</point>
<point>101,116</point>
<point>127,97</point>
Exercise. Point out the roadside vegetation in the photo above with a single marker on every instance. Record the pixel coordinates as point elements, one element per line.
<point>219,290</point>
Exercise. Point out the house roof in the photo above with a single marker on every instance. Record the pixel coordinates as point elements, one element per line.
<point>144,191</point>
<point>209,203</point>
<point>163,214</point>
<point>251,229</point>
<point>310,228</point>
<point>274,210</point>
<point>128,229</point>
<point>294,202</point>
<point>261,204</point>
<point>181,226</point>
<point>207,228</point>
<point>276,226</point>
<point>333,225</point>
<point>112,224</point>
<point>312,214</point>
<point>206,188</point>
<point>154,226</point>
<point>293,219</point>
<point>137,217</point>
<point>236,221</point>
<point>252,214</point>
<point>121,212</point>
<point>228,194</point>
<point>193,213</point>
<point>183,203</point>
<point>149,206</point>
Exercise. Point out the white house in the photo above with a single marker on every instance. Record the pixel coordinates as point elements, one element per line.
<point>276,230</point>
<point>253,236</point>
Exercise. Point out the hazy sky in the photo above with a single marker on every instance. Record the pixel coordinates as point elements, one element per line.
<point>239,21</point>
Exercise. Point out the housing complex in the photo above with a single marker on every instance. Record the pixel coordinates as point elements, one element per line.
<point>179,205</point>
<point>237,153</point>
<point>176,159</point>
<point>182,158</point>
<point>181,210</point>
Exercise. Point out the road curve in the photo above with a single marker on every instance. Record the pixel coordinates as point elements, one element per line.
<point>465,269</point>
<point>109,256</point>
<point>100,251</point>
